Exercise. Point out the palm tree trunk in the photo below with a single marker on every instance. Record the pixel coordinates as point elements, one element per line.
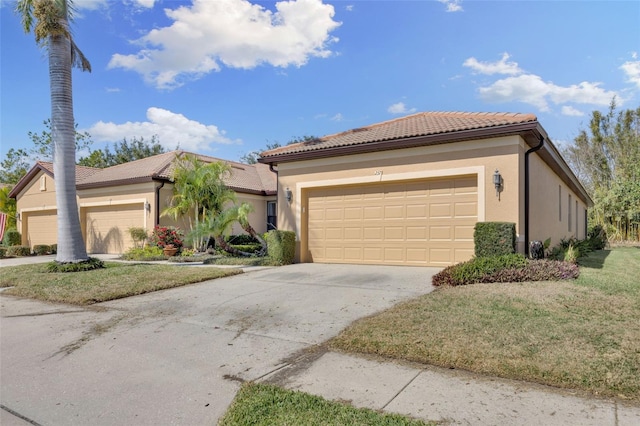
<point>249,230</point>
<point>71,247</point>
<point>226,247</point>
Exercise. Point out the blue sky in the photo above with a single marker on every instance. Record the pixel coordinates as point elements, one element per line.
<point>225,77</point>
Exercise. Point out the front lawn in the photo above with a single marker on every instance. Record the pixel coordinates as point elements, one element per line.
<point>582,334</point>
<point>116,281</point>
<point>267,405</point>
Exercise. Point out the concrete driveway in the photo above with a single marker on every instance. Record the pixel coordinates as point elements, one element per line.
<point>178,356</point>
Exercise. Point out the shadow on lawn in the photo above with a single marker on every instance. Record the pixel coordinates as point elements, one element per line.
<point>595,259</point>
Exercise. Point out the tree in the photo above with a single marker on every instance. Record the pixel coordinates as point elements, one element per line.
<point>251,157</point>
<point>607,161</point>
<point>199,190</point>
<point>43,144</point>
<point>49,20</point>
<point>123,153</point>
<point>14,166</point>
<point>8,206</point>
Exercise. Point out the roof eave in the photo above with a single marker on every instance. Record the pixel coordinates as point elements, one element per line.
<point>118,182</point>
<point>22,183</point>
<point>410,142</point>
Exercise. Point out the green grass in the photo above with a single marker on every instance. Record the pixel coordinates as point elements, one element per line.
<point>244,261</point>
<point>116,281</point>
<point>258,404</point>
<point>582,334</point>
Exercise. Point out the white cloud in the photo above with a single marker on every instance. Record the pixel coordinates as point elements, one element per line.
<point>89,4</point>
<point>499,67</point>
<point>337,117</point>
<point>349,8</point>
<point>571,111</point>
<point>112,89</point>
<point>632,71</point>
<point>400,108</point>
<point>533,90</point>
<point>234,33</point>
<point>172,129</point>
<point>145,3</point>
<point>452,5</point>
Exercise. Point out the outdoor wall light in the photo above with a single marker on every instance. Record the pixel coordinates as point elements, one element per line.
<point>288,194</point>
<point>147,206</point>
<point>498,183</point>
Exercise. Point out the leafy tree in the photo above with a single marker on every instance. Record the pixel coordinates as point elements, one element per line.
<point>8,206</point>
<point>606,158</point>
<point>14,166</point>
<point>124,152</point>
<point>49,20</point>
<point>43,144</point>
<point>251,157</point>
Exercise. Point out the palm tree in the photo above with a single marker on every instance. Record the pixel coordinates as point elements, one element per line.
<point>49,19</point>
<point>198,188</point>
<point>243,219</point>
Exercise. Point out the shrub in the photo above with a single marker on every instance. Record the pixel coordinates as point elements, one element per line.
<point>148,253</point>
<point>241,239</point>
<point>88,265</point>
<point>248,248</point>
<point>507,268</point>
<point>19,251</point>
<point>54,248</point>
<point>597,237</point>
<point>139,236</point>
<point>281,246</point>
<point>11,238</point>
<point>166,235</point>
<point>41,249</point>
<point>494,238</point>
<point>3,252</point>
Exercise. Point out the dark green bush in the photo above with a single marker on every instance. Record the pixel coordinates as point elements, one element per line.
<point>281,246</point>
<point>597,237</point>
<point>11,238</point>
<point>507,268</point>
<point>54,248</point>
<point>88,265</point>
<point>240,239</point>
<point>3,252</point>
<point>248,248</point>
<point>41,249</point>
<point>494,238</point>
<point>19,251</point>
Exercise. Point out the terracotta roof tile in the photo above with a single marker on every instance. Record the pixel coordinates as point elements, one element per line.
<point>420,124</point>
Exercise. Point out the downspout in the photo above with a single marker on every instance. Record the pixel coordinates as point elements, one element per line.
<point>158,188</point>
<point>271,169</point>
<point>526,193</point>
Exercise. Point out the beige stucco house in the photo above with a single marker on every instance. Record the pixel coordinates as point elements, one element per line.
<point>409,191</point>
<point>133,194</point>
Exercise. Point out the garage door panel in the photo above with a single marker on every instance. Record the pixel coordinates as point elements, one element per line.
<point>42,227</point>
<point>107,227</point>
<point>427,222</point>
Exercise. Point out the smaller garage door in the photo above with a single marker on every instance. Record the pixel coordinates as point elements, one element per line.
<point>42,227</point>
<point>426,222</point>
<point>107,227</point>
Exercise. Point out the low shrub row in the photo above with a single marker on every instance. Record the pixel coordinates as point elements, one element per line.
<point>506,268</point>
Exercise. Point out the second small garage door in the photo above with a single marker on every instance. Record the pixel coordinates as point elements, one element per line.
<point>107,227</point>
<point>427,222</point>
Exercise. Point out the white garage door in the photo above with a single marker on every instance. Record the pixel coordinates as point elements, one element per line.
<point>42,227</point>
<point>107,227</point>
<point>427,222</point>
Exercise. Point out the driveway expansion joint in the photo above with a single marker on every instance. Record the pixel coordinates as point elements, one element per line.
<point>20,416</point>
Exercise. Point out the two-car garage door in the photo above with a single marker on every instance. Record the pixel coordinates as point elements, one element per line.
<point>426,222</point>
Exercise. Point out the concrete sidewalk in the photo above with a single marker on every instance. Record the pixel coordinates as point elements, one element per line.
<point>442,395</point>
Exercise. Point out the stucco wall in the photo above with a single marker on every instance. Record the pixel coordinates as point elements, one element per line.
<point>474,157</point>
<point>550,206</point>
<point>37,198</point>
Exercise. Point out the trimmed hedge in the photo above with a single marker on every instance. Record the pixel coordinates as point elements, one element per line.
<point>19,251</point>
<point>41,249</point>
<point>494,238</point>
<point>247,248</point>
<point>281,246</point>
<point>3,252</point>
<point>11,238</point>
<point>241,239</point>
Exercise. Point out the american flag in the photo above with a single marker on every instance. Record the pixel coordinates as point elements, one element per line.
<point>3,223</point>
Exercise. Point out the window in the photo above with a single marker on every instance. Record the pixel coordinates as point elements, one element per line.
<point>559,203</point>
<point>271,216</point>
<point>569,213</point>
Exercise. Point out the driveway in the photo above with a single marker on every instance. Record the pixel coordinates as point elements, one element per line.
<point>178,356</point>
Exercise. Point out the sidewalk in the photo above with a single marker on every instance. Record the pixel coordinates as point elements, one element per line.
<point>449,396</point>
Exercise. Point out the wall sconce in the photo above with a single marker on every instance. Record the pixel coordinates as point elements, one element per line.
<point>147,206</point>
<point>498,183</point>
<point>288,194</point>
<point>18,216</point>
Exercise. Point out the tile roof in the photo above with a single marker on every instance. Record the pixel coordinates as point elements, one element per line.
<point>250,178</point>
<point>415,125</point>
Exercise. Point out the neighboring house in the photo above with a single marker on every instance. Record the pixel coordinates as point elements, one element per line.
<point>133,194</point>
<point>409,191</point>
